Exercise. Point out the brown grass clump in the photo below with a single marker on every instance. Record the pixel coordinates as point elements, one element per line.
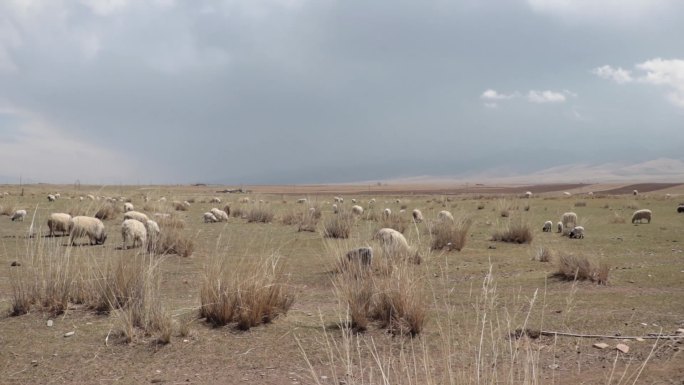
<point>180,206</point>
<point>292,217</point>
<point>450,234</point>
<point>573,267</point>
<point>172,240</point>
<point>108,211</point>
<point>338,226</point>
<point>6,210</point>
<point>248,295</point>
<point>580,204</point>
<point>170,222</point>
<point>226,208</point>
<point>544,254</point>
<point>617,219</point>
<point>395,221</point>
<point>260,214</point>
<point>77,210</point>
<point>238,212</point>
<point>399,305</point>
<point>518,232</point>
<point>354,287</point>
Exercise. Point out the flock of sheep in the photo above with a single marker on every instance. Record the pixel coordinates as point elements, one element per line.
<point>568,223</point>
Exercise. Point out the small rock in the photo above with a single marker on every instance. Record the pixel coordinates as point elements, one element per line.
<point>156,380</point>
<point>640,339</point>
<point>69,334</point>
<point>600,345</point>
<point>680,331</point>
<point>15,263</point>
<point>34,363</point>
<point>186,340</point>
<point>49,323</point>
<point>644,324</point>
<point>623,348</point>
<point>324,377</point>
<point>554,366</point>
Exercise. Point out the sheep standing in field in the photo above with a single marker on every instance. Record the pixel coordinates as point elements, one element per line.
<point>153,230</point>
<point>162,199</point>
<point>362,255</point>
<point>528,194</point>
<point>357,210</point>
<point>371,202</point>
<point>392,241</point>
<point>569,219</point>
<point>386,213</point>
<point>444,215</point>
<point>89,226</point>
<point>215,200</point>
<point>567,194</point>
<point>577,232</point>
<point>590,193</point>
<point>58,222</point>
<point>547,226</point>
<point>18,216</point>
<point>642,214</point>
<point>138,216</point>
<point>128,207</point>
<point>51,198</point>
<point>209,218</point>
<point>417,216</point>
<point>680,209</point>
<point>559,227</point>
<point>635,192</point>
<point>335,209</point>
<point>221,215</point>
<point>133,230</point>
<point>301,200</point>
<point>338,200</point>
<point>354,201</point>
<point>244,200</point>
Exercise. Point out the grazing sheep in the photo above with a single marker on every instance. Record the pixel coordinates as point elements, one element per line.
<point>133,230</point>
<point>215,200</point>
<point>51,198</point>
<point>80,199</point>
<point>244,200</point>
<point>547,226</point>
<point>568,219</point>
<point>138,216</point>
<point>577,232</point>
<point>386,213</point>
<point>339,200</point>
<point>92,227</point>
<point>417,216</point>
<point>392,241</point>
<point>362,255</point>
<point>335,209</point>
<point>642,214</point>
<point>559,227</point>
<point>128,207</point>
<point>635,192</point>
<point>371,202</point>
<point>567,194</point>
<point>153,230</point>
<point>91,197</point>
<point>680,209</point>
<point>301,200</point>
<point>528,194</point>
<point>209,218</point>
<point>162,199</point>
<point>58,222</point>
<point>357,210</point>
<point>444,215</point>
<point>58,195</point>
<point>590,193</point>
<point>354,201</point>
<point>221,215</point>
<point>18,216</point>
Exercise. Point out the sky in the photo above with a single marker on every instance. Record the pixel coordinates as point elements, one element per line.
<point>324,91</point>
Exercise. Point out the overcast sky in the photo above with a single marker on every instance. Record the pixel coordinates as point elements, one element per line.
<point>299,91</point>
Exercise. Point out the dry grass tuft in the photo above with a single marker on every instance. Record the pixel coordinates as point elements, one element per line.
<point>395,221</point>
<point>77,210</point>
<point>450,234</point>
<point>399,305</point>
<point>238,212</point>
<point>617,219</point>
<point>226,208</point>
<point>172,240</point>
<point>544,254</point>
<point>260,214</point>
<point>180,206</point>
<point>7,210</point>
<point>170,222</point>
<point>480,206</point>
<point>580,204</point>
<point>354,287</point>
<point>248,295</point>
<point>517,232</point>
<point>574,267</point>
<point>108,211</point>
<point>338,226</point>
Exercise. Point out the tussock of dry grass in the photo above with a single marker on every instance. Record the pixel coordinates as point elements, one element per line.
<point>7,210</point>
<point>238,212</point>
<point>170,222</point>
<point>617,219</point>
<point>226,208</point>
<point>575,267</point>
<point>399,305</point>
<point>544,254</point>
<point>260,214</point>
<point>449,234</point>
<point>580,204</point>
<point>248,295</point>
<point>108,211</point>
<point>354,287</point>
<point>395,221</point>
<point>514,232</point>
<point>172,240</point>
<point>338,226</point>
<point>180,206</point>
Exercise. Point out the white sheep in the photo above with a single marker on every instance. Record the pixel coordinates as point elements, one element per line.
<point>215,200</point>
<point>301,200</point>
<point>162,199</point>
<point>58,222</point>
<point>18,216</point>
<point>244,200</point>
<point>635,192</point>
<point>577,232</point>
<point>221,215</point>
<point>335,209</point>
<point>80,198</point>
<point>386,213</point>
<point>444,215</point>
<point>354,201</point>
<point>528,194</point>
<point>642,214</point>
<point>590,193</point>
<point>58,195</point>
<point>392,241</point>
<point>559,227</point>
<point>357,210</point>
<point>371,202</point>
<point>568,219</point>
<point>92,227</point>
<point>51,198</point>
<point>417,216</point>
<point>128,206</point>
<point>567,194</point>
<point>209,218</point>
<point>153,230</point>
<point>547,226</point>
<point>339,200</point>
<point>133,230</point>
<point>138,216</point>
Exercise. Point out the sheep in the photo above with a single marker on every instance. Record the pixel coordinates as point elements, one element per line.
<point>221,215</point>
<point>244,200</point>
<point>357,210</point>
<point>153,230</point>
<point>569,218</point>
<point>186,203</point>
<point>417,216</point>
<point>577,232</point>
<point>209,218</point>
<point>58,195</point>
<point>354,201</point>
<point>362,255</point>
<point>335,209</point>
<point>590,193</point>
<point>92,227</point>
<point>58,222</point>
<point>386,213</point>
<point>128,207</point>
<point>642,214</point>
<point>559,227</point>
<point>133,230</point>
<point>547,226</point>
<point>392,241</point>
<point>51,198</point>
<point>18,216</point>
<point>680,209</point>
<point>301,200</point>
<point>528,194</point>
<point>135,215</point>
<point>635,192</point>
<point>444,215</point>
<point>215,200</point>
<point>371,202</point>
<point>91,197</point>
<point>339,200</point>
<point>80,198</point>
<point>162,199</point>
<point>567,194</point>
<point>162,215</point>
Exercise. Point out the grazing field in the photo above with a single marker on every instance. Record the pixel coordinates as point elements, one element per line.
<point>266,297</point>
